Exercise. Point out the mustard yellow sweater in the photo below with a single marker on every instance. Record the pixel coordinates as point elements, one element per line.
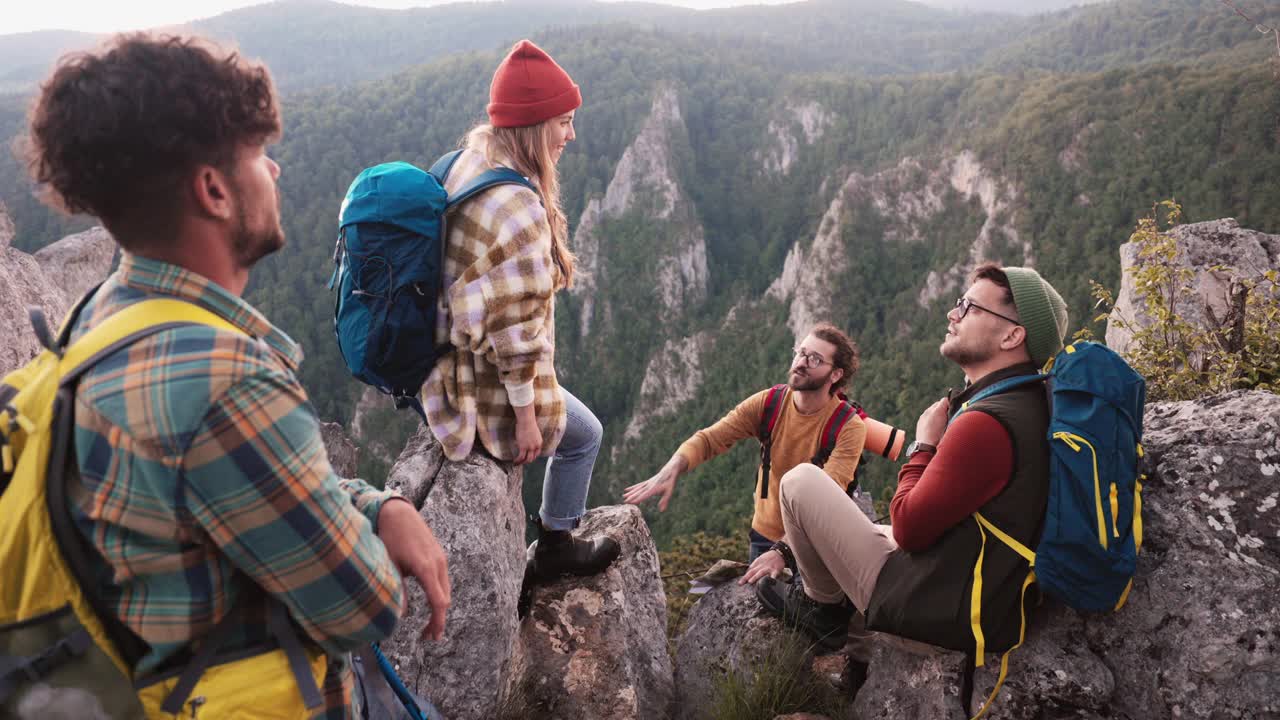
<point>795,441</point>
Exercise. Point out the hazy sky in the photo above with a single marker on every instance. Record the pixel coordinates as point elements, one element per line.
<point>113,15</point>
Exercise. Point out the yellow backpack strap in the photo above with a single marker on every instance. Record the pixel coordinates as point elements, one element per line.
<point>975,607</point>
<point>126,326</point>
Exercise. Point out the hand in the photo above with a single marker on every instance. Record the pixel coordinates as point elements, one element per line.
<point>932,424</point>
<point>416,552</point>
<point>664,482</point>
<point>528,435</point>
<point>769,563</point>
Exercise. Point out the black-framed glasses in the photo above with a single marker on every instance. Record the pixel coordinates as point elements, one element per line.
<point>964,304</point>
<point>811,359</point>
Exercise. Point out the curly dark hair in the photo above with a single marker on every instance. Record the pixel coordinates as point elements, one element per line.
<point>115,131</point>
<point>847,356</point>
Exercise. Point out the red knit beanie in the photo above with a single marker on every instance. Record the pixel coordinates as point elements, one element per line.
<point>529,87</point>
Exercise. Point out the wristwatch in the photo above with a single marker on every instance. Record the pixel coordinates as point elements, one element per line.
<point>917,446</point>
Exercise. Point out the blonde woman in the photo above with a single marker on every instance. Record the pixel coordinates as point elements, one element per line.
<point>505,258</point>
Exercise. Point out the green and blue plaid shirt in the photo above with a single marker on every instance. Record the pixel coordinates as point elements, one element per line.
<point>204,479</point>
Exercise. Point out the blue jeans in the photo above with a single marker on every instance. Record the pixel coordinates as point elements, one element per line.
<point>758,545</point>
<point>564,488</point>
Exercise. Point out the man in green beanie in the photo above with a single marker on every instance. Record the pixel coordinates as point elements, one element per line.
<point>916,578</point>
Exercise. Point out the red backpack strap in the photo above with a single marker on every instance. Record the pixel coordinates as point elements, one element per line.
<point>835,423</point>
<point>764,432</point>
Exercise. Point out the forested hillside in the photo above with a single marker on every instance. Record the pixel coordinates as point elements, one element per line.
<point>726,188</point>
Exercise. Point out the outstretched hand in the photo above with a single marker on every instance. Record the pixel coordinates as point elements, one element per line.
<point>415,551</point>
<point>664,483</point>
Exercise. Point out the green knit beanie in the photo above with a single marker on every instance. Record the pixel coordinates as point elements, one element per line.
<point>1042,311</point>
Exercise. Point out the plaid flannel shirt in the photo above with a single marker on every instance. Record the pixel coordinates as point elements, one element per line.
<point>204,481</point>
<point>498,313</point>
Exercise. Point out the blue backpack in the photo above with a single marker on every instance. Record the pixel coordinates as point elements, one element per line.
<point>388,264</point>
<point>1088,550</point>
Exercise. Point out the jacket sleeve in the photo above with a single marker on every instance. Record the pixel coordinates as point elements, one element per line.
<point>258,480</point>
<point>843,462</point>
<point>741,423</point>
<point>973,464</point>
<point>502,303</point>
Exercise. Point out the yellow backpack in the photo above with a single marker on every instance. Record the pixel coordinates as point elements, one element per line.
<point>60,646</point>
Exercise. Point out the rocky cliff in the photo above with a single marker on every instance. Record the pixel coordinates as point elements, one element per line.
<point>1216,253</point>
<point>645,184</point>
<point>52,280</point>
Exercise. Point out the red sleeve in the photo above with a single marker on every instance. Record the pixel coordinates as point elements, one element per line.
<point>973,464</point>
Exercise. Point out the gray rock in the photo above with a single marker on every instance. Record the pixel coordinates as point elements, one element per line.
<point>909,681</point>
<point>77,262</point>
<point>51,280</point>
<point>727,632</point>
<point>6,227</point>
<point>1200,247</point>
<point>344,456</point>
<point>595,647</point>
<point>474,509</point>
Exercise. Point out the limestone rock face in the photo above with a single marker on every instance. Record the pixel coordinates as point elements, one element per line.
<point>474,509</point>
<point>645,179</point>
<point>726,633</point>
<point>589,647</point>
<point>1201,246</point>
<point>344,456</point>
<point>595,647</point>
<point>1198,637</point>
<point>78,262</point>
<point>51,280</point>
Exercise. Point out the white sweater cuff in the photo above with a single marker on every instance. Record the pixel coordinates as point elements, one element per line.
<point>519,394</point>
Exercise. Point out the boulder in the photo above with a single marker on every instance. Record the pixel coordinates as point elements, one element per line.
<point>596,647</point>
<point>1197,638</point>
<point>727,632</point>
<point>76,263</point>
<point>474,509</point>
<point>1201,247</point>
<point>51,280</point>
<point>589,647</point>
<point>344,456</point>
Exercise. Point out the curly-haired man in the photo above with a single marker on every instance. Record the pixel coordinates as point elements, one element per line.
<point>824,361</point>
<point>204,484</point>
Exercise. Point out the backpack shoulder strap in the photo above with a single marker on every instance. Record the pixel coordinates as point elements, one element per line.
<point>764,432</point>
<point>485,180</point>
<point>831,432</point>
<point>772,411</point>
<point>996,389</point>
<point>442,166</point>
<point>115,332</point>
<point>130,325</point>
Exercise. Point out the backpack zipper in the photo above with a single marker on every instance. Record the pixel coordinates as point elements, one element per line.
<point>1071,439</point>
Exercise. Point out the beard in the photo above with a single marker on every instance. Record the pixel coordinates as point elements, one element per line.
<point>807,381</point>
<point>250,246</point>
<point>964,356</point>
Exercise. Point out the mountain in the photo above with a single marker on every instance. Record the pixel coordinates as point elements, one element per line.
<point>722,197</point>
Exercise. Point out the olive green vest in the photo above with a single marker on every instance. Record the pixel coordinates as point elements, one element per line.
<point>927,595</point>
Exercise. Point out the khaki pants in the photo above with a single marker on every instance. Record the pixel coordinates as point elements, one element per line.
<point>839,551</point>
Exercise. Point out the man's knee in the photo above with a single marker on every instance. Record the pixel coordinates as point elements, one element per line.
<point>796,480</point>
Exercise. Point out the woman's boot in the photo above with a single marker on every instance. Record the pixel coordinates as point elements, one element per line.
<point>558,552</point>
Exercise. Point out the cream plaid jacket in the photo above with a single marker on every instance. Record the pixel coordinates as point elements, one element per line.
<point>498,312</point>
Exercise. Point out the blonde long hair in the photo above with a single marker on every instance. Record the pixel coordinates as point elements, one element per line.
<point>529,149</point>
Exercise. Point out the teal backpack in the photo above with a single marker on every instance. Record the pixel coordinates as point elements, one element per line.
<point>388,264</point>
<point>1088,549</point>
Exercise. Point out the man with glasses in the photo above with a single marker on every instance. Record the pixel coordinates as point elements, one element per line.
<point>915,579</point>
<point>823,363</point>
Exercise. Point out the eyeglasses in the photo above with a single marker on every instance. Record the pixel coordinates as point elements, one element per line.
<point>964,304</point>
<point>812,360</point>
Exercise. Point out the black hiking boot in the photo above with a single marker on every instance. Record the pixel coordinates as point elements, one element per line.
<point>558,552</point>
<point>827,623</point>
